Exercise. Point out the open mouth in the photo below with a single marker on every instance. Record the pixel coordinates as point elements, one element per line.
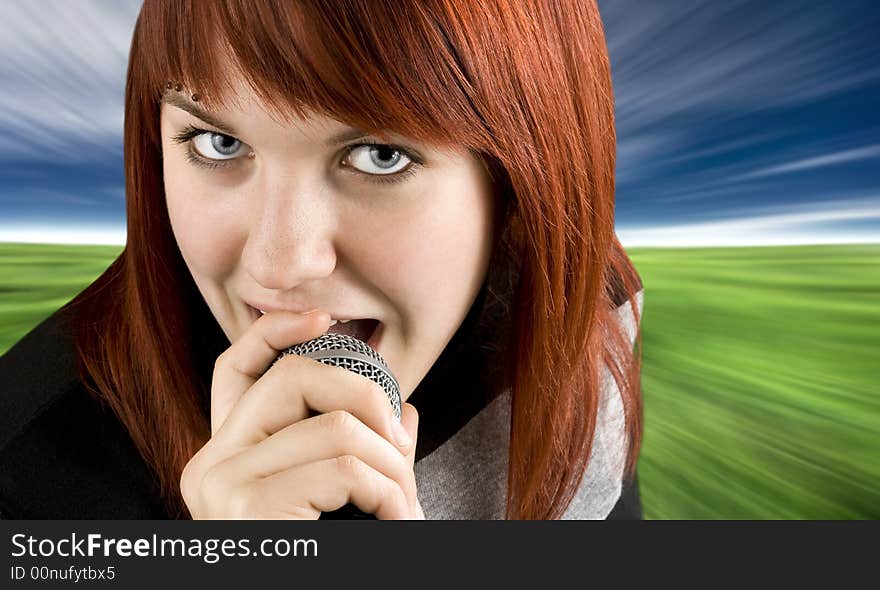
<point>362,329</point>
<point>367,330</point>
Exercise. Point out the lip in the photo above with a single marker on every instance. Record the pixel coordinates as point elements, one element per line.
<point>373,342</point>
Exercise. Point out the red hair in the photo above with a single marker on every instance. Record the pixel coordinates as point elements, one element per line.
<point>525,86</point>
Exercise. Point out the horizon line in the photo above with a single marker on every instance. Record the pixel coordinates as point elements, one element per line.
<point>629,238</point>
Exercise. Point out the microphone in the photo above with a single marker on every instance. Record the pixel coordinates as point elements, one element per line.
<point>353,354</point>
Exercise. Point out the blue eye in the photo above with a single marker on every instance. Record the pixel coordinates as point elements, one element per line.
<point>202,140</point>
<point>216,146</point>
<point>378,160</point>
<point>374,162</point>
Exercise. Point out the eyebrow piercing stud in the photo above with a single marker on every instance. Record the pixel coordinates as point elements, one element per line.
<point>169,84</point>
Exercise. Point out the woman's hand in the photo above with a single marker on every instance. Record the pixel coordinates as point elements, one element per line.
<point>268,459</point>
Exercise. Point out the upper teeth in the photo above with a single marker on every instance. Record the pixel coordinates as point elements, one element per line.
<point>332,322</point>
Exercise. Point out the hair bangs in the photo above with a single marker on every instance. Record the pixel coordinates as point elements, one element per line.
<point>371,66</point>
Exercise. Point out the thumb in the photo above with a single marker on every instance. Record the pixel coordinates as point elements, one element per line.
<point>409,417</point>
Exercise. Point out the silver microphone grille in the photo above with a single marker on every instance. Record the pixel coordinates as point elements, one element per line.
<point>341,350</point>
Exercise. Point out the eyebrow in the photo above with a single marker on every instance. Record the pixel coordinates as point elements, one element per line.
<point>180,102</point>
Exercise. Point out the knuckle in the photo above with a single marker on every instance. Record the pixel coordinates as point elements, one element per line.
<point>185,481</point>
<point>214,480</point>
<point>222,361</point>
<point>190,477</point>
<point>352,467</point>
<point>291,362</point>
<point>376,393</point>
<point>338,422</point>
<point>378,397</point>
<point>292,366</point>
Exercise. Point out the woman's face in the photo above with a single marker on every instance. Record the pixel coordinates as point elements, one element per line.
<point>295,217</point>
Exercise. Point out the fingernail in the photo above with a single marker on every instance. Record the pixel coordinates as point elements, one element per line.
<point>400,434</point>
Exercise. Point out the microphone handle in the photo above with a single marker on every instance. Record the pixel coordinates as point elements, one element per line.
<point>347,512</point>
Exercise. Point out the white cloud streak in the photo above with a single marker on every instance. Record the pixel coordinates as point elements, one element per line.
<point>53,234</point>
<point>840,157</point>
<point>797,227</point>
<point>63,78</point>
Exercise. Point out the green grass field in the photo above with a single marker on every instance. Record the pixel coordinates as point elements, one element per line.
<point>761,372</point>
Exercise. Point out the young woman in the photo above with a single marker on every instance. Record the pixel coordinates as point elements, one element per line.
<point>439,173</point>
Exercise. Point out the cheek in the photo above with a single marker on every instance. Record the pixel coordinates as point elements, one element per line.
<point>436,259</point>
<point>207,232</point>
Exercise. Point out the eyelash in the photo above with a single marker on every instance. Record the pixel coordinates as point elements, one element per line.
<point>189,132</point>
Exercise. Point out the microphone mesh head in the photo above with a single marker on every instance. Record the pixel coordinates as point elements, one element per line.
<point>341,350</point>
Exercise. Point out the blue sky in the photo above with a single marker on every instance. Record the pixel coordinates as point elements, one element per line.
<point>739,122</point>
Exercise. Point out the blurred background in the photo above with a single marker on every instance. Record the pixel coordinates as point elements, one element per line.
<point>748,198</point>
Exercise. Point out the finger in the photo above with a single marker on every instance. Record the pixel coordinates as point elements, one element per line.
<point>294,386</point>
<point>240,365</point>
<point>328,485</point>
<point>409,417</point>
<point>321,437</point>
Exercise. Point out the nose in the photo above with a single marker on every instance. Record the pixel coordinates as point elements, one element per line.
<point>291,238</point>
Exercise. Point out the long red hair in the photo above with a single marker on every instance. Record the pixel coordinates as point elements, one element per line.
<point>524,85</point>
